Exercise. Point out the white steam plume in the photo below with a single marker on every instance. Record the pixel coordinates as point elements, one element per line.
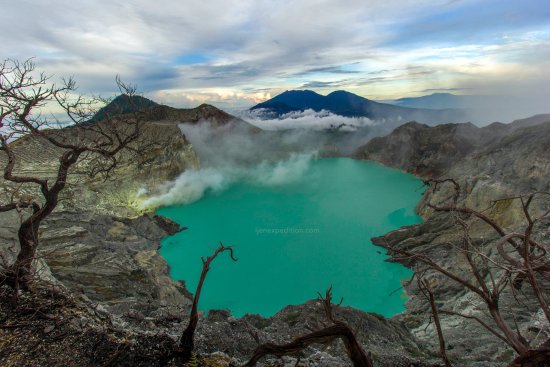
<point>191,185</point>
<point>262,152</point>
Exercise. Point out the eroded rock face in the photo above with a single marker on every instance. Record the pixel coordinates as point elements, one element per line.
<point>110,259</point>
<point>97,242</point>
<point>495,162</point>
<point>419,149</point>
<point>440,238</point>
<point>119,194</point>
<point>113,260</point>
<point>433,152</point>
<point>490,163</point>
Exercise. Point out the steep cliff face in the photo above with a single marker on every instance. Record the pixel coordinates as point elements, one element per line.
<point>419,149</point>
<point>97,242</point>
<point>491,163</point>
<point>432,152</point>
<point>518,163</point>
<point>146,168</point>
<point>467,342</point>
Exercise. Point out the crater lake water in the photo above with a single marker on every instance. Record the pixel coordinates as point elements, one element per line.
<point>296,238</point>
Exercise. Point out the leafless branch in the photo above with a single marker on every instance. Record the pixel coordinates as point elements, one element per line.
<point>337,329</point>
<point>187,344</point>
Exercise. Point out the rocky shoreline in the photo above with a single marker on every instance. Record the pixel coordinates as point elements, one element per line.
<point>490,163</point>
<point>106,255</point>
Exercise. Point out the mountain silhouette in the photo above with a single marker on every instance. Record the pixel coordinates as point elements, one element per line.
<point>351,105</point>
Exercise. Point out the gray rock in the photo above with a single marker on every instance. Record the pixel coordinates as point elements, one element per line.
<point>491,163</point>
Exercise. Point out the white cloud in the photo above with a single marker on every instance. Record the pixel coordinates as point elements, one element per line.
<point>308,119</point>
<point>227,98</point>
<point>259,44</point>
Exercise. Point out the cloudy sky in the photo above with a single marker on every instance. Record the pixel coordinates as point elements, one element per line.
<point>237,53</point>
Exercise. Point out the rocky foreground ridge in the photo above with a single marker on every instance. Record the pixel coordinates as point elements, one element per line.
<point>113,302</point>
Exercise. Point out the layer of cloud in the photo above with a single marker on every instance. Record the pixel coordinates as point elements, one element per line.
<point>308,119</point>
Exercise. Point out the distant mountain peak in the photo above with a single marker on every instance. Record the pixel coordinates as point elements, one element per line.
<point>348,104</point>
<point>439,100</point>
<point>342,92</point>
<point>123,104</point>
<point>298,91</point>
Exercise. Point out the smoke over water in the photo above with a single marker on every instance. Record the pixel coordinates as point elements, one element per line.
<point>260,152</point>
<point>191,185</point>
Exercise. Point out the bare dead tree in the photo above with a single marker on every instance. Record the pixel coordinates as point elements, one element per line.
<point>533,258</point>
<point>337,330</point>
<point>426,288</point>
<point>519,257</point>
<point>187,343</point>
<point>25,96</point>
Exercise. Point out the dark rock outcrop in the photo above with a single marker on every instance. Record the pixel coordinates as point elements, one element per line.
<point>421,150</point>
<point>432,152</point>
<point>122,104</point>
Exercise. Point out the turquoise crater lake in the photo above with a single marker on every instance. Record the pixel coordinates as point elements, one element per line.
<point>297,237</point>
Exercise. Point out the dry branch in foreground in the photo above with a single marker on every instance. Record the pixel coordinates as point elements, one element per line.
<point>187,343</point>
<point>338,330</point>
